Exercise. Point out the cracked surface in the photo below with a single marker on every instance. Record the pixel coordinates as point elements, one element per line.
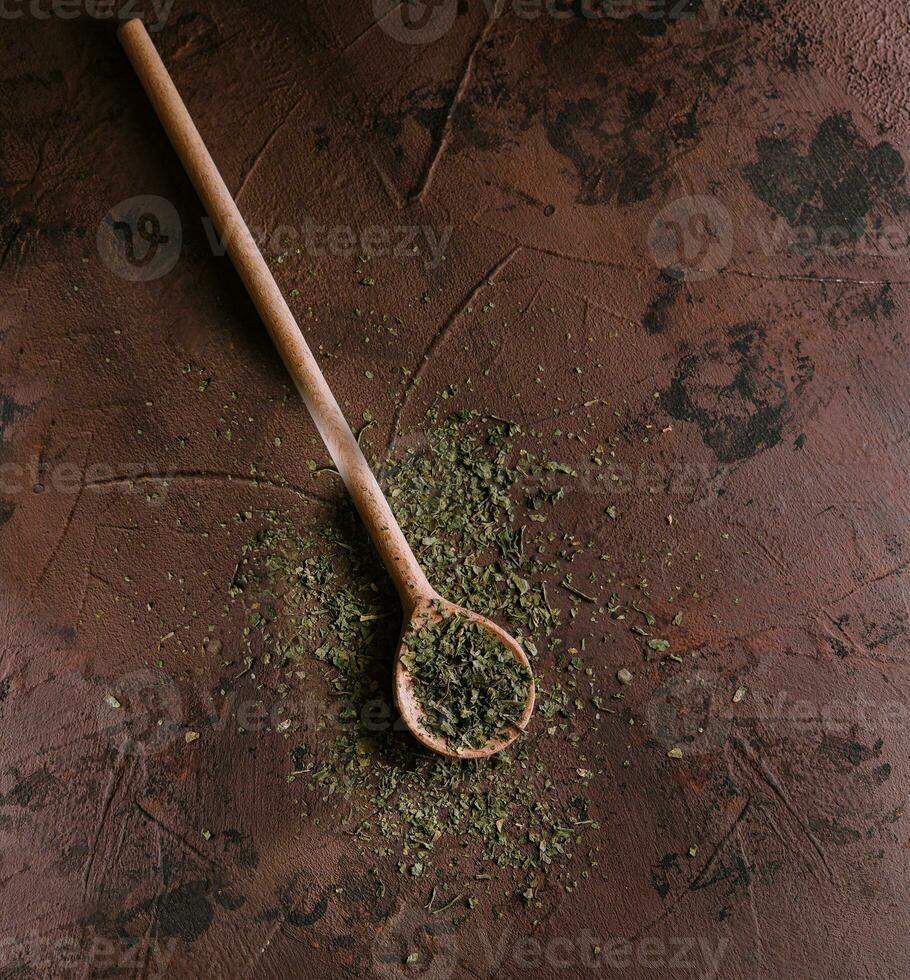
<point>576,164</point>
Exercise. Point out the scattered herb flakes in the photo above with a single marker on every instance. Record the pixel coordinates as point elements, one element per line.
<point>111,701</point>
<point>624,675</point>
<point>739,694</point>
<point>322,597</point>
<point>675,753</point>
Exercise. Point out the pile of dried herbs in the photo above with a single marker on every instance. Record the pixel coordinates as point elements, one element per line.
<point>468,684</point>
<point>316,594</point>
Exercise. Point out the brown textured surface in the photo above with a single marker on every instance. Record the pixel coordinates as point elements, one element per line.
<point>551,147</point>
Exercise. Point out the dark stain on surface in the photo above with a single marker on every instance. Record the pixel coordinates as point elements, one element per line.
<point>6,511</point>
<point>839,648</point>
<point>882,773</point>
<point>793,56</point>
<point>660,884</point>
<point>293,900</point>
<point>737,874</point>
<point>321,139</point>
<point>639,104</point>
<point>877,635</point>
<point>621,166</point>
<point>186,912</point>
<point>738,395</point>
<point>832,831</point>
<point>247,855</point>
<point>881,303</point>
<point>427,106</point>
<point>832,187</point>
<point>619,149</point>
<point>857,753</point>
<point>754,10</point>
<point>34,791</point>
<point>10,410</point>
<point>847,754</point>
<point>470,132</point>
<point>21,226</point>
<point>314,915</point>
<point>655,316</point>
<point>609,166</point>
<point>685,129</point>
<point>229,900</point>
<point>433,111</point>
<point>660,877</point>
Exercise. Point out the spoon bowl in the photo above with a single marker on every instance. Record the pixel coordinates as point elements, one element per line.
<point>426,612</point>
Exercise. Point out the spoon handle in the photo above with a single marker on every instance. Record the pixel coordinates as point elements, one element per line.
<point>283,328</point>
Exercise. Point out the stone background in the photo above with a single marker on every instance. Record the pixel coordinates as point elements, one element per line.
<point>705,209</point>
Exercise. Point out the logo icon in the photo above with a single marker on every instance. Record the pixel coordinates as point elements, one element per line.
<point>415,21</point>
<point>141,712</point>
<point>415,943</point>
<point>692,237</point>
<point>692,712</point>
<point>140,239</point>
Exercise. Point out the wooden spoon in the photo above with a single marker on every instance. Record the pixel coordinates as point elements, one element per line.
<point>421,604</point>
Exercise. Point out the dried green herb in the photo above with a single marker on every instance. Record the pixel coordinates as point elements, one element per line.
<point>315,591</point>
<point>468,684</point>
